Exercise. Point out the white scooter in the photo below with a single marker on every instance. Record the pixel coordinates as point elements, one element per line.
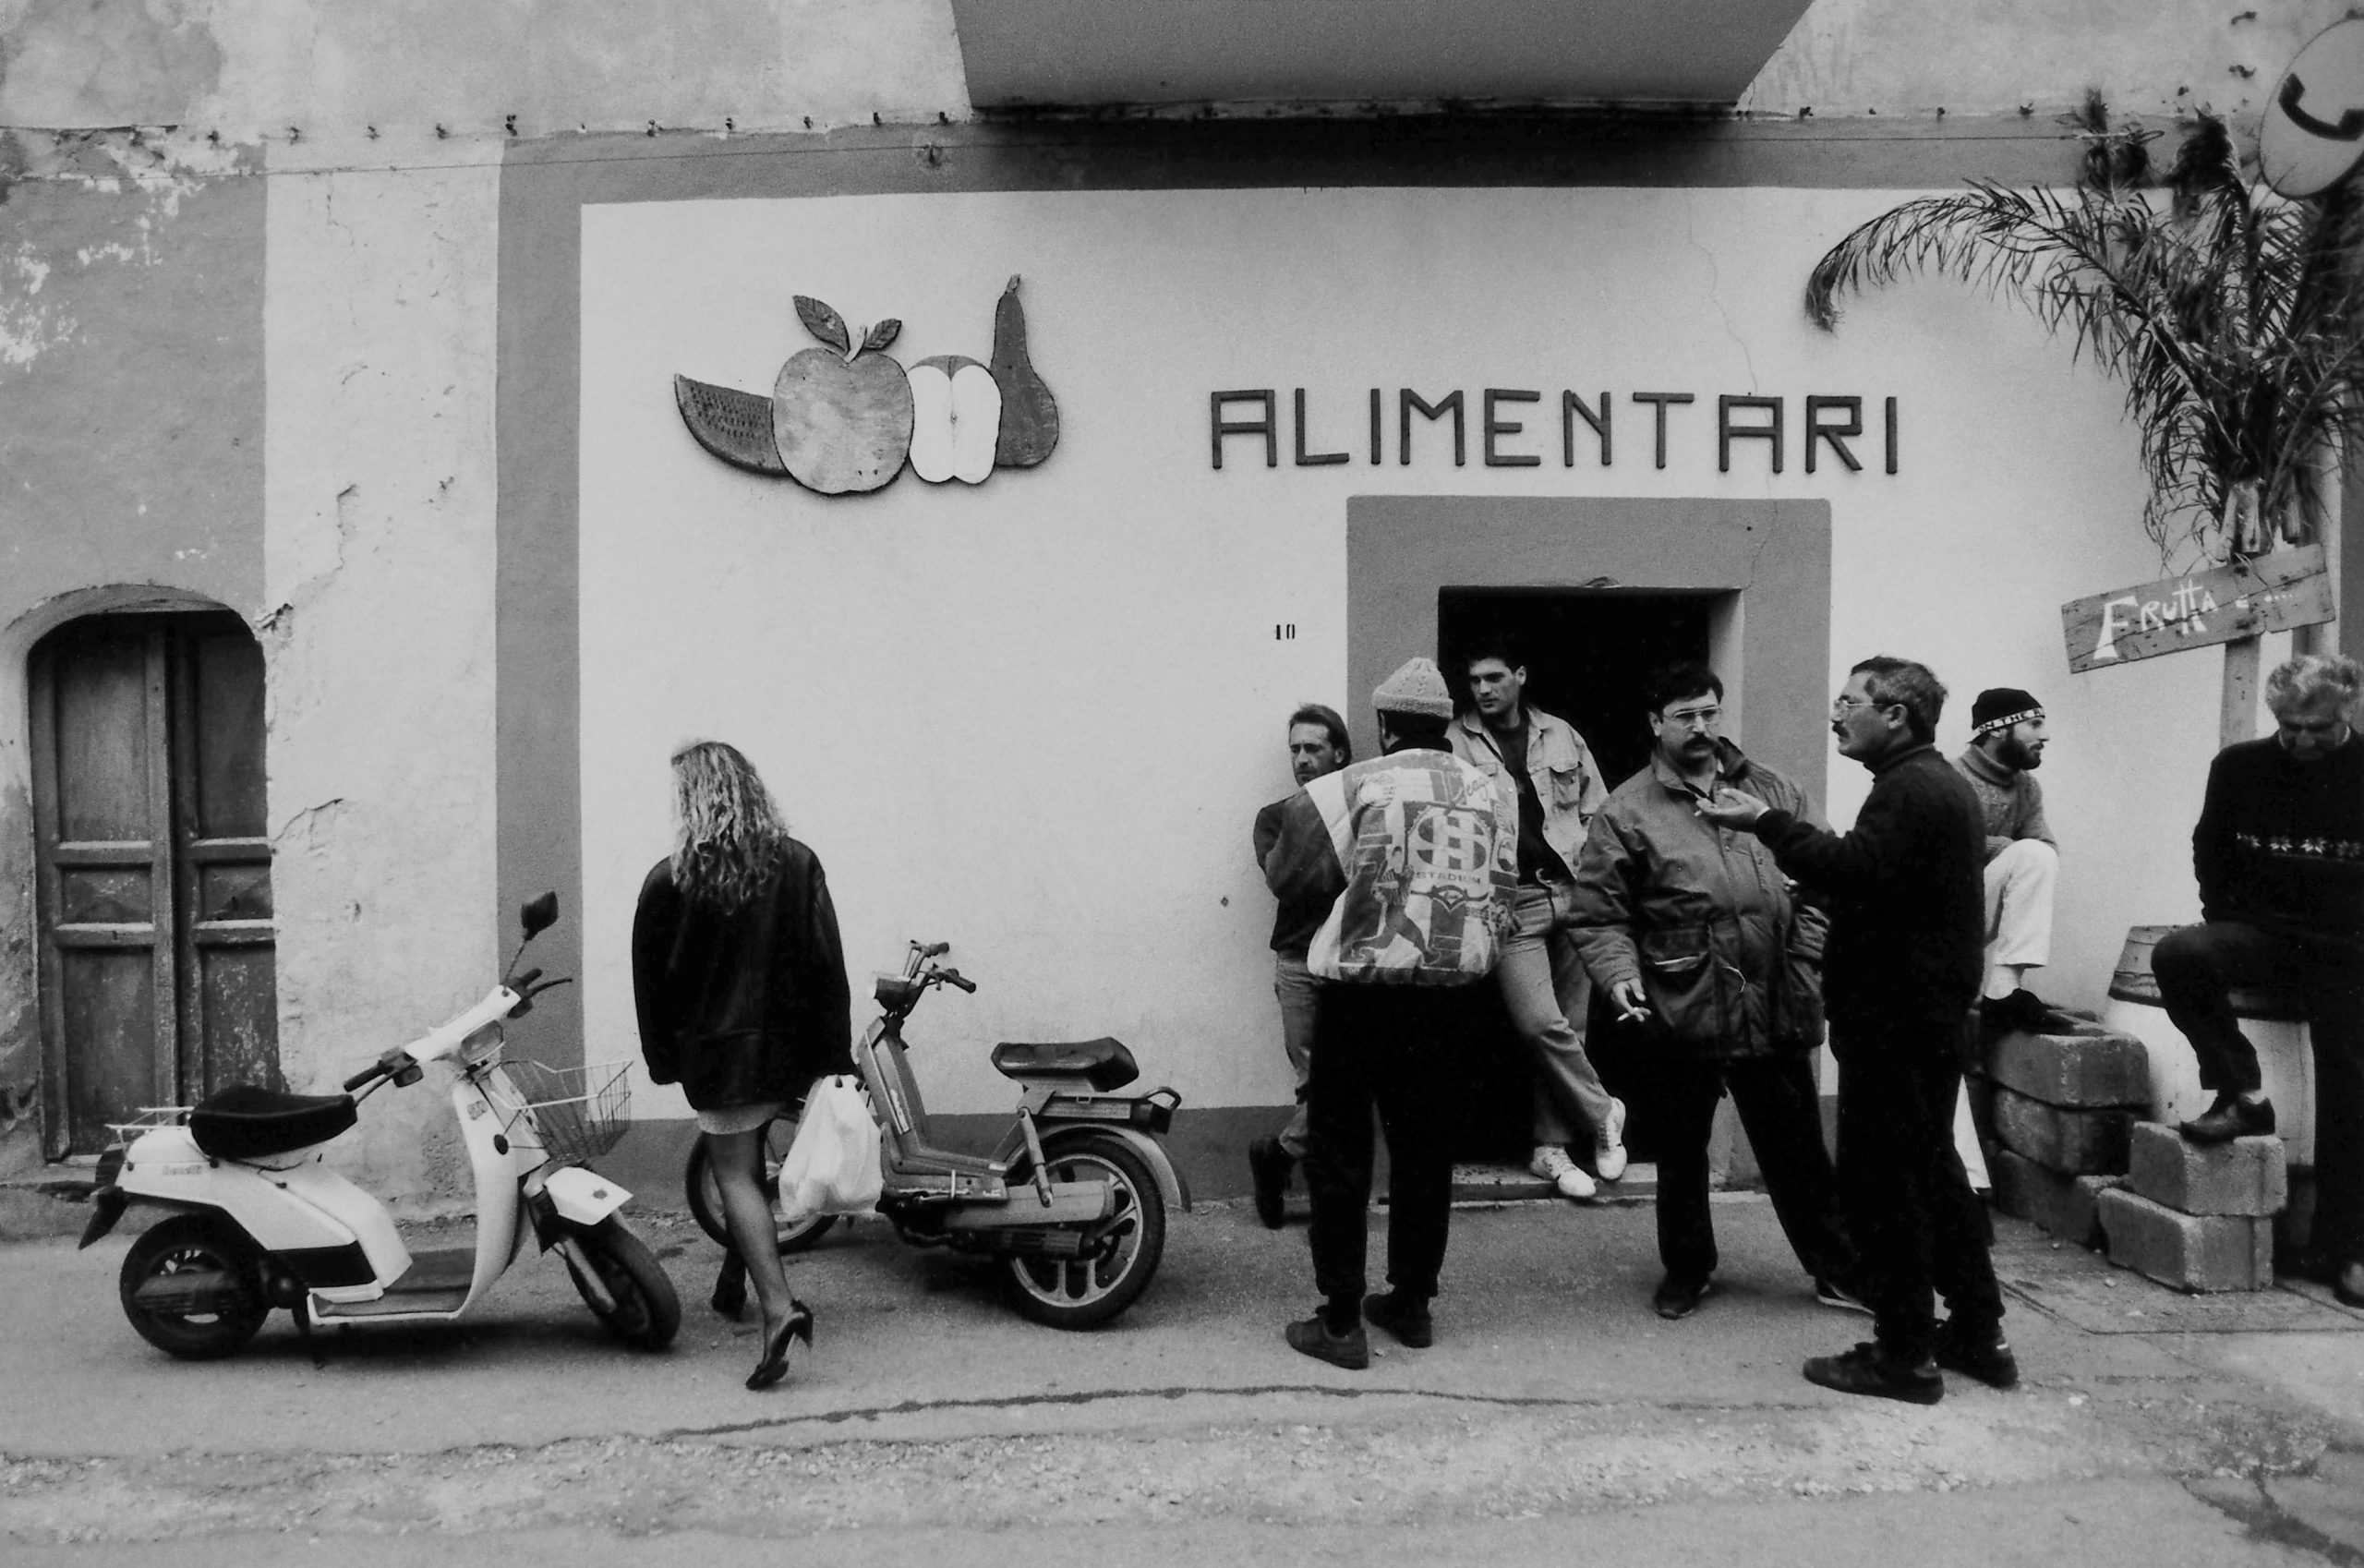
<point>260,1220</point>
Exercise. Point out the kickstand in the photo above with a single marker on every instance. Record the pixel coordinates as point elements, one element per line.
<point>304,1332</point>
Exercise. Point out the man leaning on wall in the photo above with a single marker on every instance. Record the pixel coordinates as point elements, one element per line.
<point>1317,746</point>
<point>1541,759</point>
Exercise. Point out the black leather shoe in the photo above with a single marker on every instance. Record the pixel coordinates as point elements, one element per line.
<point>2023,1009</point>
<point>2348,1284</point>
<point>1404,1316</point>
<point>1312,1337</point>
<point>2230,1117</point>
<point>1866,1370</point>
<point>1679,1298</point>
<point>1268,1168</point>
<point>1986,1356</point>
<point>773,1366</point>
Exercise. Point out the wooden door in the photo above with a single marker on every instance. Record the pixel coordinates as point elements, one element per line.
<point>157,983</point>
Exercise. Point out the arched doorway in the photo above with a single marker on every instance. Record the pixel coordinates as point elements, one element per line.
<point>158,982</point>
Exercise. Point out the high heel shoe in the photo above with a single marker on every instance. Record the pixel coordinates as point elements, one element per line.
<point>730,1297</point>
<point>773,1366</point>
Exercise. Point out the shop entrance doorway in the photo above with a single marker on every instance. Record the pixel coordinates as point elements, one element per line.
<point>1588,653</point>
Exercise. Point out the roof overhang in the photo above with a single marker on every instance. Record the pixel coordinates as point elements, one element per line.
<point>1644,53</point>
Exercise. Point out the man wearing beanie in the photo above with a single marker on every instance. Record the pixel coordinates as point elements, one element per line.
<point>2006,742</point>
<point>1415,853</point>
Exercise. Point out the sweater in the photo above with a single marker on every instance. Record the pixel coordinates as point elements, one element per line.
<point>2280,843</point>
<point>2011,799</point>
<point>745,1007</point>
<point>1906,890</point>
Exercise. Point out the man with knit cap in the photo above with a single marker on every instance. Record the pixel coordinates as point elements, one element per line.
<point>2006,742</point>
<point>1415,853</point>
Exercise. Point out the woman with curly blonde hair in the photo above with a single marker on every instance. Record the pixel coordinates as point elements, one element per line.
<point>739,983</point>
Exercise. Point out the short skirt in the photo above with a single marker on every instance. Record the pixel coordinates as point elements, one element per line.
<point>725,1119</point>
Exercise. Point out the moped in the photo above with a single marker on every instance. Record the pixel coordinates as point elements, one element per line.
<point>258,1221</point>
<point>1072,1200</point>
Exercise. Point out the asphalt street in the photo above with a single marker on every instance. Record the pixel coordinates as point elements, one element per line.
<point>1555,1415</point>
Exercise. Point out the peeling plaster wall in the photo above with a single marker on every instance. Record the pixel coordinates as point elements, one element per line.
<point>253,68</point>
<point>1911,58</point>
<point>130,446</point>
<point>379,560</point>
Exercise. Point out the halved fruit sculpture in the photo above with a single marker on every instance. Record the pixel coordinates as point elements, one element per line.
<point>845,418</point>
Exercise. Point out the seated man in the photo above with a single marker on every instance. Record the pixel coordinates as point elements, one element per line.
<point>2023,859</point>
<point>2279,851</point>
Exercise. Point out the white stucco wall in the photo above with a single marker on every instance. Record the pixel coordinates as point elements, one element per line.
<point>380,336</point>
<point>1035,718</point>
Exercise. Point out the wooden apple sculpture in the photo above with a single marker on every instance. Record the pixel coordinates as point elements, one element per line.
<point>842,416</point>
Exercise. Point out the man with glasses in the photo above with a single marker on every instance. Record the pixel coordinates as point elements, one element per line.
<point>1538,759</point>
<point>1905,889</point>
<point>1692,931</point>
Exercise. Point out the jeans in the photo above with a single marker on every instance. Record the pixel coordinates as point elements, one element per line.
<point>1549,995</point>
<point>1298,990</point>
<point>2197,966</point>
<point>1395,1047</point>
<point>1916,1224</point>
<point>1778,1104</point>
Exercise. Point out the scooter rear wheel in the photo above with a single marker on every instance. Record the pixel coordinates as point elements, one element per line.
<point>1082,1293</point>
<point>705,1198</point>
<point>189,1250</point>
<point>647,1314</point>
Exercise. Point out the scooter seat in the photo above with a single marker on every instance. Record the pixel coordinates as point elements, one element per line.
<point>248,1122</point>
<point>1102,1064</point>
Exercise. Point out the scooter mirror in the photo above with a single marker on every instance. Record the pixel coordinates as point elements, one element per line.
<point>540,915</point>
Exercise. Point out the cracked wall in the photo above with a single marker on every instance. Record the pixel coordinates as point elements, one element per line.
<point>379,560</point>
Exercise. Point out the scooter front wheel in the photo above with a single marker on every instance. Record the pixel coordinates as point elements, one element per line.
<point>192,1288</point>
<point>705,1198</point>
<point>1082,1293</point>
<point>646,1314</point>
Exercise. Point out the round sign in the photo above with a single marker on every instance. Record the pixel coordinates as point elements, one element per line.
<point>2313,131</point>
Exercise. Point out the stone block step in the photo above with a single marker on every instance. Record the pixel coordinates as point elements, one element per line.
<point>2067,1206</point>
<point>2071,1142</point>
<point>2194,1252</point>
<point>2089,1068</point>
<point>2249,1176</point>
<point>1509,1184</point>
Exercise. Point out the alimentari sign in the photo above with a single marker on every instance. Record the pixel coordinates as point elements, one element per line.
<point>2272,593</point>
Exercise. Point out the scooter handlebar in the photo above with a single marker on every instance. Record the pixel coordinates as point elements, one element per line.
<point>954,977</point>
<point>364,1076</point>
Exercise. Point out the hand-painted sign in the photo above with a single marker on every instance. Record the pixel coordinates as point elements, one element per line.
<point>2272,593</point>
<point>2312,131</point>
<point>845,419</point>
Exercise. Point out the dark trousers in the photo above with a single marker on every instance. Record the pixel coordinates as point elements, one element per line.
<point>1778,1104</point>
<point>1393,1047</point>
<point>2198,965</point>
<point>1916,1223</point>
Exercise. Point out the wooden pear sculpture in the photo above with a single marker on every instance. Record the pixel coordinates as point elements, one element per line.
<point>1030,415</point>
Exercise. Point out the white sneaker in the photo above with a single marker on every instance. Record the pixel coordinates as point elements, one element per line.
<point>1608,1143</point>
<point>1552,1163</point>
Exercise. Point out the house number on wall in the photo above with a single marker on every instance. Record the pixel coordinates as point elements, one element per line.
<point>1513,425</point>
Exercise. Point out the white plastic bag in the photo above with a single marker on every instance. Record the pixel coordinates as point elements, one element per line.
<point>832,1168</point>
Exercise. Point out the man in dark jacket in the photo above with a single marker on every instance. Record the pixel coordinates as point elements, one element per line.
<point>1905,889</point>
<point>2280,856</point>
<point>1317,745</point>
<point>1692,931</point>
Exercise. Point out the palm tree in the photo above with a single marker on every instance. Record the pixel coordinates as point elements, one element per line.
<point>2233,318</point>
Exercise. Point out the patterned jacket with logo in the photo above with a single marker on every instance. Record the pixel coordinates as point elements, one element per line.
<point>1567,781</point>
<point>1701,915</point>
<point>1418,855</point>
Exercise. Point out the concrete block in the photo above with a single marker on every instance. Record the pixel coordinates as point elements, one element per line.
<point>2194,1252</point>
<point>2249,1176</point>
<point>2076,1070</point>
<point>2067,1206</point>
<point>2073,1143</point>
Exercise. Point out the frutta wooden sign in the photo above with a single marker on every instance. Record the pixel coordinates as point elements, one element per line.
<point>847,418</point>
<point>2272,593</point>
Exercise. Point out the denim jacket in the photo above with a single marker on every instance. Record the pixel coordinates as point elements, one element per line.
<point>1566,779</point>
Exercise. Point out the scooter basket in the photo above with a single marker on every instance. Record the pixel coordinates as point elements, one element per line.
<point>581,1112</point>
